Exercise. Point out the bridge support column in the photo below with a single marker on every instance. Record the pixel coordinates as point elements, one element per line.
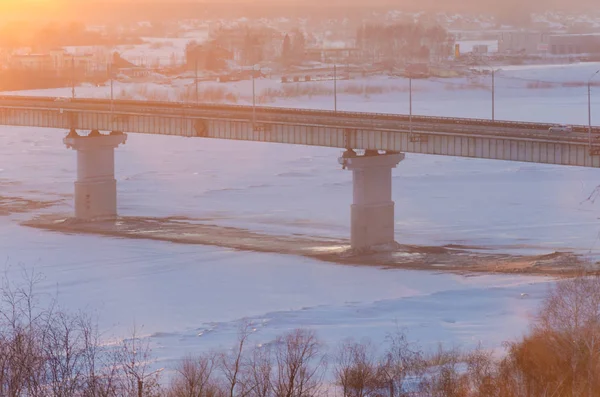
<point>372,211</point>
<point>96,187</point>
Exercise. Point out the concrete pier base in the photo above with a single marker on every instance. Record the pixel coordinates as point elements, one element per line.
<point>96,187</point>
<point>372,210</point>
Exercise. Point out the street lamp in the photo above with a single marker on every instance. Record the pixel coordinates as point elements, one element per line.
<point>335,87</point>
<point>589,86</point>
<point>493,89</point>
<point>410,103</point>
<point>73,76</point>
<point>196,79</point>
<point>112,97</point>
<point>493,94</point>
<point>254,69</point>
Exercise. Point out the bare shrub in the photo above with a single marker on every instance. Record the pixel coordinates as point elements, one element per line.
<point>561,356</point>
<point>536,85</point>
<point>356,370</point>
<point>445,375</point>
<point>48,352</point>
<point>402,360</point>
<point>481,373</point>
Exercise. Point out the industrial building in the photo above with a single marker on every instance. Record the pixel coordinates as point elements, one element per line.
<point>523,42</point>
<point>566,44</point>
<point>533,43</point>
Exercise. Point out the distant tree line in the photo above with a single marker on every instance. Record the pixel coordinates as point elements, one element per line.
<point>293,49</point>
<point>55,35</point>
<point>46,352</point>
<point>400,41</point>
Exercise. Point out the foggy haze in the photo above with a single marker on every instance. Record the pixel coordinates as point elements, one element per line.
<point>151,9</point>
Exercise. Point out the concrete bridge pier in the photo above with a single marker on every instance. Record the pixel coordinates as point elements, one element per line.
<point>96,187</point>
<point>372,211</point>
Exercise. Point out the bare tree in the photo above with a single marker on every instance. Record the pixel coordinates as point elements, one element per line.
<point>259,367</point>
<point>134,356</point>
<point>23,325</point>
<point>401,361</point>
<point>194,378</point>
<point>299,364</point>
<point>64,351</point>
<point>101,362</point>
<point>232,363</point>
<point>571,305</point>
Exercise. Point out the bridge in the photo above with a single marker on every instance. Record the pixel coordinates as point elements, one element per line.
<point>381,139</point>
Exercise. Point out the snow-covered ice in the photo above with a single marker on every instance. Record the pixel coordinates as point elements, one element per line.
<point>180,291</point>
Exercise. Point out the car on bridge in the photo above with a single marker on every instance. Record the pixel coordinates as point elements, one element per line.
<point>565,129</point>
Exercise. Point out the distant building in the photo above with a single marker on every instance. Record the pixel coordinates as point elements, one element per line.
<point>209,56</point>
<point>124,67</point>
<point>569,44</point>
<point>480,49</point>
<point>331,55</point>
<point>57,60</point>
<point>249,45</point>
<point>548,43</point>
<point>31,62</point>
<point>523,42</point>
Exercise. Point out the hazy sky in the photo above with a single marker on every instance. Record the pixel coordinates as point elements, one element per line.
<point>86,9</point>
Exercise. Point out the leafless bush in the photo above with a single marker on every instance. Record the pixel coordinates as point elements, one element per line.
<point>445,376</point>
<point>356,370</point>
<point>561,356</point>
<point>207,94</point>
<point>482,373</point>
<point>47,352</point>
<point>535,85</point>
<point>402,360</point>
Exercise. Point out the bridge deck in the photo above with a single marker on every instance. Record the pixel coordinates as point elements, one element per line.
<point>512,141</point>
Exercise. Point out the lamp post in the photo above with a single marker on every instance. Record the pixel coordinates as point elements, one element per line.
<point>335,87</point>
<point>493,89</point>
<point>589,87</point>
<point>73,77</point>
<point>112,96</point>
<point>410,103</point>
<point>493,94</point>
<point>253,97</point>
<point>196,79</point>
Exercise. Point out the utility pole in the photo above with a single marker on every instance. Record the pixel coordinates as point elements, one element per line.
<point>112,97</point>
<point>493,94</point>
<point>196,80</point>
<point>589,87</point>
<point>410,104</point>
<point>73,77</point>
<point>590,113</point>
<point>335,87</point>
<point>253,98</point>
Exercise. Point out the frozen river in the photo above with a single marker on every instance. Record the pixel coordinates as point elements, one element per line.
<point>177,292</point>
<point>190,298</point>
